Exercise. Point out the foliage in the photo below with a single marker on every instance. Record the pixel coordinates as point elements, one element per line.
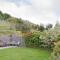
<point>41,27</point>
<point>35,35</point>
<point>39,39</point>
<point>56,52</point>
<point>32,39</point>
<point>49,26</point>
<point>4,16</point>
<point>17,23</point>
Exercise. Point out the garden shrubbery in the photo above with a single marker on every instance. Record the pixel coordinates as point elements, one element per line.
<point>56,52</point>
<point>39,39</point>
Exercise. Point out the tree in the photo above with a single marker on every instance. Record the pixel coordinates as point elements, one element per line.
<point>13,22</point>
<point>6,16</point>
<point>1,15</point>
<point>49,26</point>
<point>41,28</point>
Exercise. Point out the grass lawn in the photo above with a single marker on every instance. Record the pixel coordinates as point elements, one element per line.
<point>24,54</point>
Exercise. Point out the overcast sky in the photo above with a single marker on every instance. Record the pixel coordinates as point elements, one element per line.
<point>36,11</point>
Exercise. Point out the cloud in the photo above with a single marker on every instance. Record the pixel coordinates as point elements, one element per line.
<point>38,11</point>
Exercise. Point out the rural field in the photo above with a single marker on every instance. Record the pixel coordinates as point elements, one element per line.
<point>24,54</point>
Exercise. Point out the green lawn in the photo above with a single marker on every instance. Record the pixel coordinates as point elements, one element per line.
<point>24,54</point>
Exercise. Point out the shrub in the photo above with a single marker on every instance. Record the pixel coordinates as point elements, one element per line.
<point>56,52</point>
<point>38,39</point>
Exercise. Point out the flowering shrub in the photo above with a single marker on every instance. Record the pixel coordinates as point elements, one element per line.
<point>56,52</point>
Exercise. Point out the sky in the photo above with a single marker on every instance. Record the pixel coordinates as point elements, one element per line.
<point>36,11</point>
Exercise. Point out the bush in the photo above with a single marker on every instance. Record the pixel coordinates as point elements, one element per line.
<point>32,40</point>
<point>38,39</point>
<point>56,52</point>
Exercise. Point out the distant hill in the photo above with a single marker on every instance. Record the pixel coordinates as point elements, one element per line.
<point>17,24</point>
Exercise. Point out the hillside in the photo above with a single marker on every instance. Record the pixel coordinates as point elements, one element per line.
<point>17,24</point>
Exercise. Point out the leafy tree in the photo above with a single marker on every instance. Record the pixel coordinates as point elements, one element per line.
<point>49,26</point>
<point>6,16</point>
<point>41,28</point>
<point>1,15</point>
<point>12,22</point>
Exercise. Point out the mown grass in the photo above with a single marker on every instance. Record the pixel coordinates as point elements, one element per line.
<point>24,54</point>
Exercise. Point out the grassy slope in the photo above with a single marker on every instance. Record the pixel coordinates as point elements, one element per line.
<point>24,54</point>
